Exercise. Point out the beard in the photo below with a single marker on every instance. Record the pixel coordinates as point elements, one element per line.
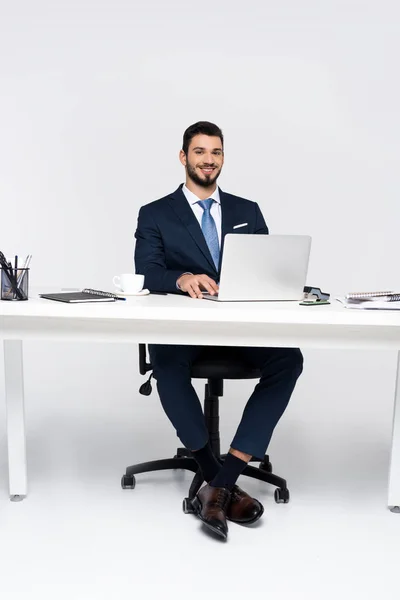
<point>208,179</point>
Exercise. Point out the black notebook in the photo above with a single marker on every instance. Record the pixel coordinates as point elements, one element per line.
<point>86,295</point>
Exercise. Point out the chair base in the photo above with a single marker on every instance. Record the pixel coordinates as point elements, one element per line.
<point>183,460</point>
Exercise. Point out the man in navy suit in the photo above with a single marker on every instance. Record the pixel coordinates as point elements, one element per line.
<point>180,241</point>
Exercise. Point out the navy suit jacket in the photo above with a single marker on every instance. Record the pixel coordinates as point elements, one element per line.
<point>169,239</point>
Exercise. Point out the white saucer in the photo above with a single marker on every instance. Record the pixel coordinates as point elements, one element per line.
<point>120,294</point>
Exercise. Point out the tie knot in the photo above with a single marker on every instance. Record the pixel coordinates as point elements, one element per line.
<point>206,204</point>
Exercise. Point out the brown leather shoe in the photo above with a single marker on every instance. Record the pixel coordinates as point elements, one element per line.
<point>243,508</point>
<point>211,505</point>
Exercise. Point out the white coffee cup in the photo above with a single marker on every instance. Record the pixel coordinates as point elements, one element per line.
<point>129,283</point>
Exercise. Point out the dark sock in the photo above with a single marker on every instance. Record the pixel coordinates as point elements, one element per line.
<point>229,472</point>
<point>207,462</point>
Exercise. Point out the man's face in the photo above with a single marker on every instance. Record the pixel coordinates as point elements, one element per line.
<point>204,159</point>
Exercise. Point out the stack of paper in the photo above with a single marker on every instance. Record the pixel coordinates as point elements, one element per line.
<point>369,304</point>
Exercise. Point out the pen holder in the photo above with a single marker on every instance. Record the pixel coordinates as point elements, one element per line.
<point>15,287</point>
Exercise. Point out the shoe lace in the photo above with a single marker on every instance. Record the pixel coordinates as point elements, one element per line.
<point>222,499</point>
<point>235,494</point>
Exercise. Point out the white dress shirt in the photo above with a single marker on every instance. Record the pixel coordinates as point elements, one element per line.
<point>198,211</point>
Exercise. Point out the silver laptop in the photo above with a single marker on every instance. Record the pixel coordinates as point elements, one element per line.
<point>263,267</point>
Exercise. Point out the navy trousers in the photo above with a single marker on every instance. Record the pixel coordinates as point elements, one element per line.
<point>280,369</point>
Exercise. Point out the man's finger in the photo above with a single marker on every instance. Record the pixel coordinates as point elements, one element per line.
<point>191,292</point>
<point>210,282</point>
<point>208,287</point>
<point>197,290</point>
<point>214,286</point>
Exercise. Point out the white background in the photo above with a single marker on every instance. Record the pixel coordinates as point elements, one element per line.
<point>94,99</point>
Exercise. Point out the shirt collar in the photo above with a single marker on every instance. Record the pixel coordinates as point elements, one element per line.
<point>192,198</point>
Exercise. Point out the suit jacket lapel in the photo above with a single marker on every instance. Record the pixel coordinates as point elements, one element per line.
<point>228,218</point>
<point>182,209</point>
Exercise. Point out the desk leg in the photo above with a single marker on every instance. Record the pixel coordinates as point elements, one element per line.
<point>394,471</point>
<point>14,380</point>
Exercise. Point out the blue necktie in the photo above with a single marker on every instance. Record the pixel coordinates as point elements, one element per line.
<point>209,229</point>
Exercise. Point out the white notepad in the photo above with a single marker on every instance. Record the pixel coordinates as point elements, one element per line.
<point>370,304</point>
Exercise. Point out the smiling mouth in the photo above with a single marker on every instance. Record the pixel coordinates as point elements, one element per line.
<point>207,170</point>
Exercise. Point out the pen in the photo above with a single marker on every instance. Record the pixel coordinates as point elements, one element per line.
<point>15,283</point>
<point>24,268</point>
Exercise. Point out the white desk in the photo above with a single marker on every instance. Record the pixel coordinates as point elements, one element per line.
<point>179,320</point>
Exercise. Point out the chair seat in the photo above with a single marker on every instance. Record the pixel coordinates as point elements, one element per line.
<point>218,362</point>
<point>223,367</point>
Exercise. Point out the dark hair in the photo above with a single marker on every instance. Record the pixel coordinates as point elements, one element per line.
<point>201,127</point>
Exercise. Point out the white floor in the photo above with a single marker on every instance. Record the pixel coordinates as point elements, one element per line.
<point>79,535</point>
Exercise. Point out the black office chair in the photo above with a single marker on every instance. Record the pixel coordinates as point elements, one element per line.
<point>219,364</point>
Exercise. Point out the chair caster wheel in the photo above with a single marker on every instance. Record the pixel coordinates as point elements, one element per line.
<point>188,507</point>
<point>281,496</point>
<point>266,467</point>
<point>128,482</point>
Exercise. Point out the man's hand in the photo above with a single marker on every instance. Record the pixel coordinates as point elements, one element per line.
<point>194,284</point>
